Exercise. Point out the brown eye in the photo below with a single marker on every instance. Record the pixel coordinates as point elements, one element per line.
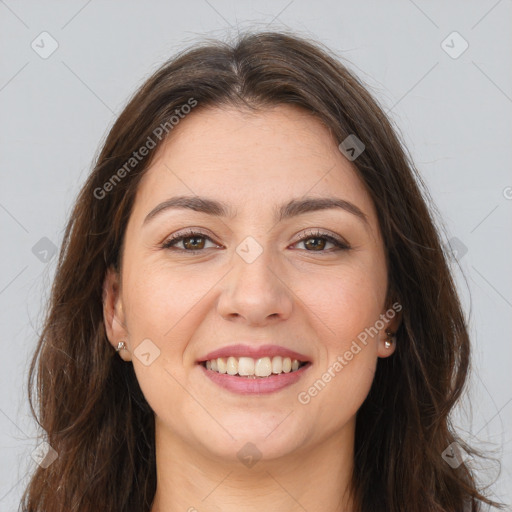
<point>196,242</point>
<point>192,241</point>
<point>318,245</point>
<point>316,242</point>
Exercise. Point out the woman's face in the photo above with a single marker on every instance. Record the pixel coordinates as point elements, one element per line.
<point>247,280</point>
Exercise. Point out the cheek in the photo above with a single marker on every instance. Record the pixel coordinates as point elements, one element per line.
<point>344,302</point>
<point>348,305</point>
<point>162,301</point>
<point>334,396</point>
<point>164,305</point>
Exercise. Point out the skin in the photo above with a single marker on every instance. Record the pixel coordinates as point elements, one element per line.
<point>314,302</point>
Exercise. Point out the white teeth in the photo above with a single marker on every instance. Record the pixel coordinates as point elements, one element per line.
<point>277,364</point>
<point>245,366</point>
<point>221,365</point>
<point>248,367</point>
<point>263,367</point>
<point>231,366</point>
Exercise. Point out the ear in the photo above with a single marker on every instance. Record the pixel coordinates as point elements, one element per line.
<point>113,314</point>
<point>392,318</point>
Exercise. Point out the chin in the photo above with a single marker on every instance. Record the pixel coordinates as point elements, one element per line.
<point>256,439</point>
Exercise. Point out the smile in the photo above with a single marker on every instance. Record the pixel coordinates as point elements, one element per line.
<point>248,367</point>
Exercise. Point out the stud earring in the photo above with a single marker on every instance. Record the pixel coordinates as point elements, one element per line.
<point>121,346</point>
<point>389,340</point>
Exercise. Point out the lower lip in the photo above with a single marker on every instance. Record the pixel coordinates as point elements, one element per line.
<point>258,386</point>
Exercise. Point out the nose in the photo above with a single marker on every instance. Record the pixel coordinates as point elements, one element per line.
<point>255,293</point>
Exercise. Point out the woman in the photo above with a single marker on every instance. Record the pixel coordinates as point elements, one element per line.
<point>252,306</point>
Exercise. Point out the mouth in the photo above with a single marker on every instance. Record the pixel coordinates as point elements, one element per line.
<point>249,368</point>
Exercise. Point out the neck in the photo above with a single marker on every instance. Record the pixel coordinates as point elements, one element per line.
<point>191,480</point>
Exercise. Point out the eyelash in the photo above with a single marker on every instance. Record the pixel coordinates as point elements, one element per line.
<point>339,244</point>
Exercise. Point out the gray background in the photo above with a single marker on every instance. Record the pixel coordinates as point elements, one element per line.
<point>454,115</point>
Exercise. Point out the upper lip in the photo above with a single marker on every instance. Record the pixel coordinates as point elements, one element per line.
<point>256,352</point>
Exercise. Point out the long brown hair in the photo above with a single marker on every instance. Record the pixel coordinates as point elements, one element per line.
<point>89,402</point>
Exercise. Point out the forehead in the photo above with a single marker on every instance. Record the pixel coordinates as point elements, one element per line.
<point>251,159</point>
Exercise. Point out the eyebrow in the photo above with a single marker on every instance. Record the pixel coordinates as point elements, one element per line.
<point>290,209</point>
